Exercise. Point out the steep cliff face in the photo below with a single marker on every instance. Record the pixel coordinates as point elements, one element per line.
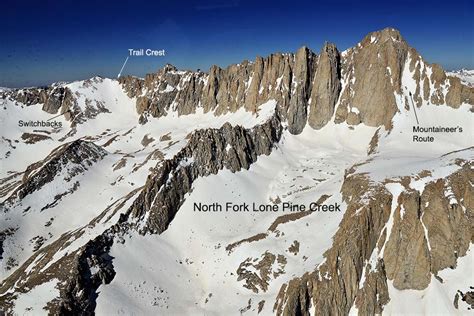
<point>246,85</point>
<point>431,230</point>
<point>55,99</point>
<point>286,78</point>
<point>389,233</point>
<point>51,97</point>
<point>372,72</point>
<point>301,85</point>
<point>398,231</point>
<point>361,85</point>
<point>79,273</point>
<point>331,288</point>
<point>326,87</point>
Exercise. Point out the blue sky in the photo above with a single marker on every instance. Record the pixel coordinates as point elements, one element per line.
<point>48,41</point>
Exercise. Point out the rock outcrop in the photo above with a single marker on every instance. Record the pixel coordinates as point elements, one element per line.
<point>54,99</point>
<point>303,73</point>
<point>78,273</point>
<point>359,85</point>
<point>75,157</point>
<point>326,87</point>
<point>384,238</point>
<point>372,71</point>
<point>286,78</point>
<point>82,271</point>
<point>432,230</point>
<point>207,152</point>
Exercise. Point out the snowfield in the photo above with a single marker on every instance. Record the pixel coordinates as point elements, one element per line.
<point>190,261</point>
<point>197,266</point>
<point>466,76</point>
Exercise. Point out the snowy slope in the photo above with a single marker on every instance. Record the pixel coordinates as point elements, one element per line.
<point>213,263</point>
<point>132,150</point>
<point>206,272</point>
<point>466,76</point>
<point>197,275</point>
<point>195,242</point>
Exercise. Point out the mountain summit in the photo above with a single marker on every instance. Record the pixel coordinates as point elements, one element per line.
<point>331,183</point>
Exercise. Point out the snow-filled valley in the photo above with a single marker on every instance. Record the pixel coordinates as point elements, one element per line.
<point>89,173</point>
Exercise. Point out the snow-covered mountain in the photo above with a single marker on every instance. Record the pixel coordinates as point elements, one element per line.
<point>101,179</point>
<point>466,76</point>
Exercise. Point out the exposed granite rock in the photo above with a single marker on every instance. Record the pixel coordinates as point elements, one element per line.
<point>353,118</point>
<point>209,98</point>
<point>374,143</point>
<point>207,152</point>
<point>164,91</point>
<point>79,274</point>
<point>326,87</point>
<point>447,208</point>
<point>132,85</point>
<point>429,232</point>
<point>302,77</point>
<point>373,295</point>
<point>374,71</point>
<point>4,234</point>
<point>59,99</point>
<point>257,273</point>
<point>433,86</point>
<point>407,255</point>
<point>467,297</point>
<point>433,232</point>
<point>52,98</point>
<point>32,138</point>
<point>29,96</point>
<point>247,85</point>
<point>360,85</point>
<point>79,293</point>
<point>231,90</point>
<point>459,93</point>
<point>430,238</point>
<point>78,155</point>
<point>371,73</point>
<point>331,288</point>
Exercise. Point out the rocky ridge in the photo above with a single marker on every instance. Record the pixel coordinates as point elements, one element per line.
<point>207,152</point>
<point>54,99</point>
<point>309,88</point>
<point>383,237</point>
<point>362,85</point>
<point>359,85</point>
<point>59,99</point>
<point>70,159</point>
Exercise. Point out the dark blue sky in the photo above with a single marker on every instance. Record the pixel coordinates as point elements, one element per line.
<point>47,41</point>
